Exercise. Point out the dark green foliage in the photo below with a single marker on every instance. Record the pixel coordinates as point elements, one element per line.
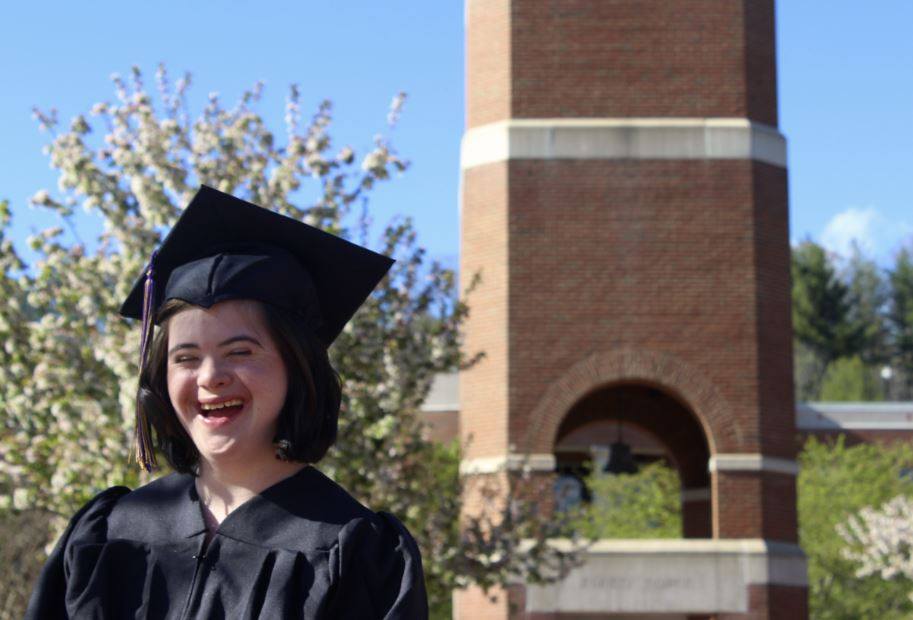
<point>868,293</point>
<point>852,326</point>
<point>900,318</point>
<point>822,306</point>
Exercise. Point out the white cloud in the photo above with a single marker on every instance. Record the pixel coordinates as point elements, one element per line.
<point>864,226</point>
<point>878,237</point>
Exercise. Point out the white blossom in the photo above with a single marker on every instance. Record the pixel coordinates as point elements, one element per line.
<point>41,197</point>
<point>880,540</point>
<point>21,499</point>
<point>396,108</point>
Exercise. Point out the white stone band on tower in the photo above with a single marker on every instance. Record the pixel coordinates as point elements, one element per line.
<point>623,138</point>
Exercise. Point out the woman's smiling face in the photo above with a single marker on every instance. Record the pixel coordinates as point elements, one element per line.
<point>226,379</point>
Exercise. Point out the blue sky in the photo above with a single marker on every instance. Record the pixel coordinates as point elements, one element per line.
<point>846,95</point>
<point>846,107</point>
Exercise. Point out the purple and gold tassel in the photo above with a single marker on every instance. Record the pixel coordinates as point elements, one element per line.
<point>145,452</point>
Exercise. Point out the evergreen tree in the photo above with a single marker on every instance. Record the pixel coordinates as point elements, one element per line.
<point>900,319</point>
<point>868,293</point>
<point>822,314</point>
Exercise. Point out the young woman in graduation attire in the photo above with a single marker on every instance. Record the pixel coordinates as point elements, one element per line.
<point>237,392</point>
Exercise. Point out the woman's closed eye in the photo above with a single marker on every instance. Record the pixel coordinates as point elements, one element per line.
<point>189,359</point>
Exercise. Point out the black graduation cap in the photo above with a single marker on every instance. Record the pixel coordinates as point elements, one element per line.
<point>223,248</point>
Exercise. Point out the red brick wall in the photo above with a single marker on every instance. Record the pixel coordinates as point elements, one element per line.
<point>483,388</point>
<point>773,303</point>
<point>755,505</point>
<point>487,61</point>
<point>760,61</point>
<point>473,602</point>
<point>620,58</point>
<point>655,255</point>
<point>684,258</point>
<point>773,603</point>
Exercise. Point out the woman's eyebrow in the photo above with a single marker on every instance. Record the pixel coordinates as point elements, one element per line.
<point>183,345</point>
<point>240,338</point>
<point>224,343</point>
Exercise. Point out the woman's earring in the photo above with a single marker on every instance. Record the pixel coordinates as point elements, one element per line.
<point>283,449</point>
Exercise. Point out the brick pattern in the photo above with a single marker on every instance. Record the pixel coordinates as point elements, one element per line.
<point>657,256</point>
<point>473,603</point>
<point>773,603</point>
<point>682,383</point>
<point>776,403</point>
<point>488,41</point>
<point>754,504</point>
<point>620,58</point>
<point>699,286</point>
<point>760,61</point>
<point>483,388</point>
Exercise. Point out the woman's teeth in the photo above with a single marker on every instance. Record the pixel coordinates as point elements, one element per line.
<point>206,407</point>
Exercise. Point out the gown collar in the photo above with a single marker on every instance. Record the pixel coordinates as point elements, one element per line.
<point>254,520</point>
<point>306,509</point>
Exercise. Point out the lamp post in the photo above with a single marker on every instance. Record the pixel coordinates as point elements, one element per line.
<point>886,373</point>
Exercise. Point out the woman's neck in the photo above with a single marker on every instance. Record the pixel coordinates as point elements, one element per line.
<point>223,486</point>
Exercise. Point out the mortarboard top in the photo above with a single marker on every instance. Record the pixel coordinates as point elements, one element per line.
<point>223,248</point>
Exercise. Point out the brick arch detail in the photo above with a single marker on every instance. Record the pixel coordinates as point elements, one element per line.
<point>664,371</point>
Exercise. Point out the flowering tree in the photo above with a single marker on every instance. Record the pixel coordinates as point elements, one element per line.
<point>881,541</point>
<point>836,481</point>
<point>68,365</point>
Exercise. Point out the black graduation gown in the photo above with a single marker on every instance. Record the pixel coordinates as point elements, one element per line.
<point>303,548</point>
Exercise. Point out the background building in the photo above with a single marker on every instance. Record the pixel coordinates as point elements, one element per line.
<point>624,199</point>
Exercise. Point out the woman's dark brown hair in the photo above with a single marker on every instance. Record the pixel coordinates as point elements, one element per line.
<point>308,421</point>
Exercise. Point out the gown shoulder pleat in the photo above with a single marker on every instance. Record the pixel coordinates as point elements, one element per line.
<point>379,571</point>
<point>48,598</point>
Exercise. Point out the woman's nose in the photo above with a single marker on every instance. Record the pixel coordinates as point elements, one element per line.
<point>212,374</point>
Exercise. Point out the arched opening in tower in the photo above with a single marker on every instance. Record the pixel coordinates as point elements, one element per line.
<point>635,434</point>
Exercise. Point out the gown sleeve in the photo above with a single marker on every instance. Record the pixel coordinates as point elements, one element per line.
<point>379,572</point>
<point>48,600</point>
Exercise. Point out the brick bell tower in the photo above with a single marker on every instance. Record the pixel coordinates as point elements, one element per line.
<point>624,198</point>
